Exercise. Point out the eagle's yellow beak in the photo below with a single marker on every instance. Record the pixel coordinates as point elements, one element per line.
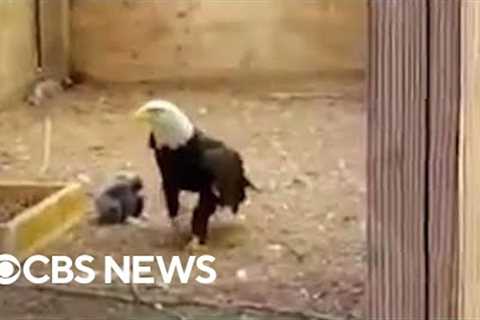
<point>141,114</point>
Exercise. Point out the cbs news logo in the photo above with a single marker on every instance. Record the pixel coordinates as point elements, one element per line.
<point>132,269</point>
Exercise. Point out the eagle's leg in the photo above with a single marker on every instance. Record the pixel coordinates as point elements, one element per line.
<point>171,196</point>
<point>205,208</point>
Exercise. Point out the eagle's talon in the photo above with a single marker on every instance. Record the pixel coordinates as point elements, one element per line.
<point>240,218</point>
<point>136,222</point>
<point>175,225</point>
<point>195,246</point>
<point>145,216</point>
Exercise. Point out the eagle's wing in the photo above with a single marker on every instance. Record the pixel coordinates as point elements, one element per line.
<point>226,168</point>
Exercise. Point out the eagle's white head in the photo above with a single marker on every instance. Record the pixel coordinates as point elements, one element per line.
<point>170,126</point>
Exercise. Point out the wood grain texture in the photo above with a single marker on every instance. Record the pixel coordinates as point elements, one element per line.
<point>397,156</point>
<point>54,37</point>
<point>413,114</point>
<point>443,127</point>
<point>469,172</point>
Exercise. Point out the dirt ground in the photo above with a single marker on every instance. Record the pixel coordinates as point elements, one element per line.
<point>300,243</point>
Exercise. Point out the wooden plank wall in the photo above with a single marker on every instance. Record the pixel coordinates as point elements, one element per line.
<point>54,37</point>
<point>469,275</point>
<point>443,153</point>
<point>413,113</point>
<point>397,146</point>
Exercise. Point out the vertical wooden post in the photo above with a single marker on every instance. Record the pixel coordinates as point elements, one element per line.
<point>397,155</point>
<point>443,155</point>
<point>54,37</point>
<point>469,273</point>
<point>413,114</point>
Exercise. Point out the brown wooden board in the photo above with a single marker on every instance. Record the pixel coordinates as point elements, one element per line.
<point>469,172</point>
<point>413,113</point>
<point>53,24</point>
<point>397,154</point>
<point>443,126</point>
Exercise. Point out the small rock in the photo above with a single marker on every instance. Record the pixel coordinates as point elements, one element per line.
<point>137,223</point>
<point>321,228</point>
<point>241,274</point>
<point>319,295</point>
<point>304,293</point>
<point>241,217</point>
<point>275,247</point>
<point>312,173</point>
<point>102,100</point>
<point>203,111</point>
<point>299,181</point>
<point>330,215</point>
<point>84,178</point>
<point>357,290</point>
<point>182,14</point>
<point>349,218</point>
<point>342,164</point>
<point>96,147</point>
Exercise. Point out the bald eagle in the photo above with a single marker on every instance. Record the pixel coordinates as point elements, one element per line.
<point>189,160</point>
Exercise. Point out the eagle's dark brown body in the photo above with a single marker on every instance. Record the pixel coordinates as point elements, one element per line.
<point>205,166</point>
